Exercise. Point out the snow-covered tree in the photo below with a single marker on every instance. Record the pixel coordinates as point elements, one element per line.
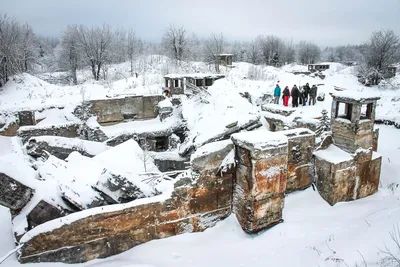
<point>95,45</point>
<point>133,47</point>
<point>214,46</point>
<point>325,125</point>
<point>382,51</point>
<point>176,43</point>
<point>71,54</point>
<point>18,48</point>
<point>308,53</point>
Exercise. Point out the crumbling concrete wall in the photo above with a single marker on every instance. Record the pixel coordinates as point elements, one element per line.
<point>13,194</point>
<point>335,182</point>
<point>261,175</point>
<point>120,109</point>
<point>347,178</point>
<point>199,199</point>
<point>300,168</point>
<point>10,129</point>
<point>62,147</point>
<point>65,130</point>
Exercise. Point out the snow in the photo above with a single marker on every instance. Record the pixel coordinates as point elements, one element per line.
<point>166,103</point>
<point>259,139</point>
<point>139,127</point>
<point>210,148</point>
<point>50,225</point>
<point>74,178</point>
<point>93,148</point>
<point>356,95</point>
<point>298,132</point>
<point>128,158</point>
<point>333,154</point>
<point>194,75</point>
<point>313,233</point>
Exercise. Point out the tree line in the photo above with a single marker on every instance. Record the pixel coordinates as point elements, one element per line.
<point>21,50</point>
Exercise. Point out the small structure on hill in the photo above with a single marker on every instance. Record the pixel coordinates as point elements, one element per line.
<point>225,59</point>
<point>318,67</point>
<point>179,83</point>
<point>391,72</point>
<point>349,169</point>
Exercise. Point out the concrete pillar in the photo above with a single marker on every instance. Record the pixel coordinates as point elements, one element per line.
<point>261,174</point>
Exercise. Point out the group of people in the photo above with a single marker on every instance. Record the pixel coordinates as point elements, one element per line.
<point>299,96</point>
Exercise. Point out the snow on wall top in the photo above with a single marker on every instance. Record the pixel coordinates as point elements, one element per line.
<point>277,107</point>
<point>260,139</point>
<point>194,76</point>
<point>59,222</point>
<point>333,154</point>
<point>354,96</point>
<point>297,132</point>
<point>93,148</point>
<point>210,148</point>
<point>128,158</point>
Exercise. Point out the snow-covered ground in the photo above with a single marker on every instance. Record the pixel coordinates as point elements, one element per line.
<point>313,233</point>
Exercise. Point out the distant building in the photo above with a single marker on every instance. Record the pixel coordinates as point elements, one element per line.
<point>225,59</point>
<point>317,67</point>
<point>390,72</point>
<point>179,83</point>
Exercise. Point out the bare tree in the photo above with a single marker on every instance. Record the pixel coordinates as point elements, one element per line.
<point>253,52</point>
<point>382,50</point>
<point>272,48</point>
<point>214,47</point>
<point>133,47</point>
<point>17,48</point>
<point>308,53</point>
<point>175,42</point>
<point>28,47</point>
<point>392,256</point>
<point>71,53</point>
<point>95,44</point>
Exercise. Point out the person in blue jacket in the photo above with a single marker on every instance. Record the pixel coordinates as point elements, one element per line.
<point>277,94</point>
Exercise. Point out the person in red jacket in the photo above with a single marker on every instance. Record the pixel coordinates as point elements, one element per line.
<point>286,95</point>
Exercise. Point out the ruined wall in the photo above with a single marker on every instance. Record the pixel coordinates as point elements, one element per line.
<point>375,139</point>
<point>261,174</point>
<point>65,130</point>
<point>364,134</point>
<point>198,201</point>
<point>10,130</point>
<point>120,109</point>
<point>13,194</point>
<point>300,168</point>
<point>368,170</point>
<point>335,182</point>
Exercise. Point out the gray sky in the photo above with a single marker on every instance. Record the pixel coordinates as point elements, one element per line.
<point>326,22</point>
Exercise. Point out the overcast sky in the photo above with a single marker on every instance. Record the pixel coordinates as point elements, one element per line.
<point>326,22</point>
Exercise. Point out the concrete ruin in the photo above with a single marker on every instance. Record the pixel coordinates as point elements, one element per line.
<point>349,168</point>
<point>187,186</point>
<point>318,67</point>
<point>224,59</point>
<point>187,83</point>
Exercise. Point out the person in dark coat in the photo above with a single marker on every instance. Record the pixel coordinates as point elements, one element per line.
<point>295,96</point>
<point>286,96</point>
<point>304,93</point>
<point>313,94</point>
